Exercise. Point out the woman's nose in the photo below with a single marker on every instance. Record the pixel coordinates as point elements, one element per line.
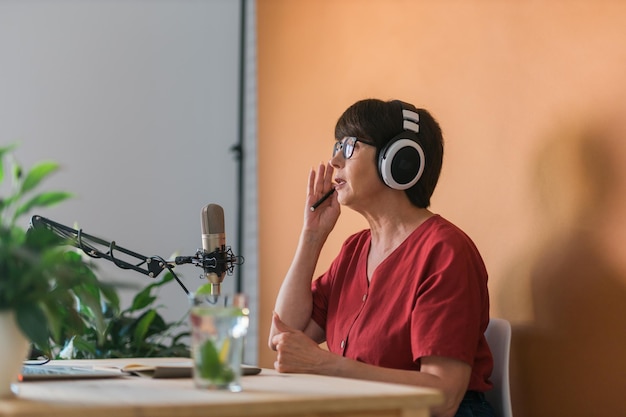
<point>336,159</point>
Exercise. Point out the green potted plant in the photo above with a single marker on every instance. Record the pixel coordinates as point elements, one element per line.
<point>138,330</point>
<point>41,280</point>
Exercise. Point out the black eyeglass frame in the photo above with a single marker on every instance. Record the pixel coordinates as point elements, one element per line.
<point>347,146</point>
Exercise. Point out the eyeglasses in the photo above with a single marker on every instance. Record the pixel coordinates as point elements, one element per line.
<point>347,146</point>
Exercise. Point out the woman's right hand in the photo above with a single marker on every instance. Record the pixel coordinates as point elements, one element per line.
<point>322,220</point>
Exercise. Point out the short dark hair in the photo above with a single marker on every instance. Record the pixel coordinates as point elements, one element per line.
<point>379,121</point>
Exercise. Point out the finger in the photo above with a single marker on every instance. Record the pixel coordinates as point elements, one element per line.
<point>311,182</point>
<point>321,176</point>
<point>275,341</point>
<point>328,178</point>
<point>279,325</point>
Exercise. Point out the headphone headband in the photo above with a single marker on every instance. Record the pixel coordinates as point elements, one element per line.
<point>411,120</point>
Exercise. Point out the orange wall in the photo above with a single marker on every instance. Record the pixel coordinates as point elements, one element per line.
<point>531,96</point>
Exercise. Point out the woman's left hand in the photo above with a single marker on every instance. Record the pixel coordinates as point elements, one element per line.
<point>296,352</point>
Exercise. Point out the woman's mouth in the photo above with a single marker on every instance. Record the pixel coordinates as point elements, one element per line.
<point>339,182</point>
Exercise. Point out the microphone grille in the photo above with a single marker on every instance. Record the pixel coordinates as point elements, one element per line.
<point>212,219</point>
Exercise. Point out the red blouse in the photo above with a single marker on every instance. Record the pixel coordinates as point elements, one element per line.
<point>428,298</point>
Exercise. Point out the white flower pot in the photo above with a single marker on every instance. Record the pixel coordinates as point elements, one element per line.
<point>13,351</point>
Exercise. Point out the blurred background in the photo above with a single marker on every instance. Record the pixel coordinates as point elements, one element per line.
<point>531,97</point>
<point>140,101</point>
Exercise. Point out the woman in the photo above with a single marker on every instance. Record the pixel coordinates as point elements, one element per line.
<point>406,300</point>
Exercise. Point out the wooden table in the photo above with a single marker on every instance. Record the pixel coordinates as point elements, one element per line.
<point>268,394</point>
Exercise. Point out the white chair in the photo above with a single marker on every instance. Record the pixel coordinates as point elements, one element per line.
<point>498,336</point>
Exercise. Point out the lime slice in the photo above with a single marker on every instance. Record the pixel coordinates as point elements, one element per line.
<point>224,350</point>
<point>204,289</point>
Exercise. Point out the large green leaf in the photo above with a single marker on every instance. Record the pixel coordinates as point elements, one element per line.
<point>157,326</point>
<point>63,319</point>
<point>41,239</point>
<point>110,294</point>
<point>142,326</point>
<point>45,199</point>
<point>81,345</point>
<point>92,300</point>
<point>142,299</point>
<point>38,173</point>
<point>32,321</point>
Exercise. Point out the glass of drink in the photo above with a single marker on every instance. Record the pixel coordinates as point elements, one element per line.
<point>219,324</point>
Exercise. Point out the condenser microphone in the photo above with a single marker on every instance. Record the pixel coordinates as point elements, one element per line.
<point>214,245</point>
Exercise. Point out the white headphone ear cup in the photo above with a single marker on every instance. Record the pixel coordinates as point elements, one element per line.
<point>401,163</point>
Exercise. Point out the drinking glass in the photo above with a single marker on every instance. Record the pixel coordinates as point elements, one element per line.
<point>219,324</point>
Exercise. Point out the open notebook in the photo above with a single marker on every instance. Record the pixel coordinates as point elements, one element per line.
<point>163,370</point>
<point>46,372</point>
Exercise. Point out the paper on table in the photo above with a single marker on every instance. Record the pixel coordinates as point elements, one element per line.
<point>178,370</point>
<point>173,370</point>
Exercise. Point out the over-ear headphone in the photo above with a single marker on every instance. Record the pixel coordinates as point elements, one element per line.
<point>401,161</point>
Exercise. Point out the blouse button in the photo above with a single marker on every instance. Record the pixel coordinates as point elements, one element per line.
<point>364,297</point>
<point>343,344</point>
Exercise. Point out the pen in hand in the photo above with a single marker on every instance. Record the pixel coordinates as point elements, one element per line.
<point>321,200</point>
